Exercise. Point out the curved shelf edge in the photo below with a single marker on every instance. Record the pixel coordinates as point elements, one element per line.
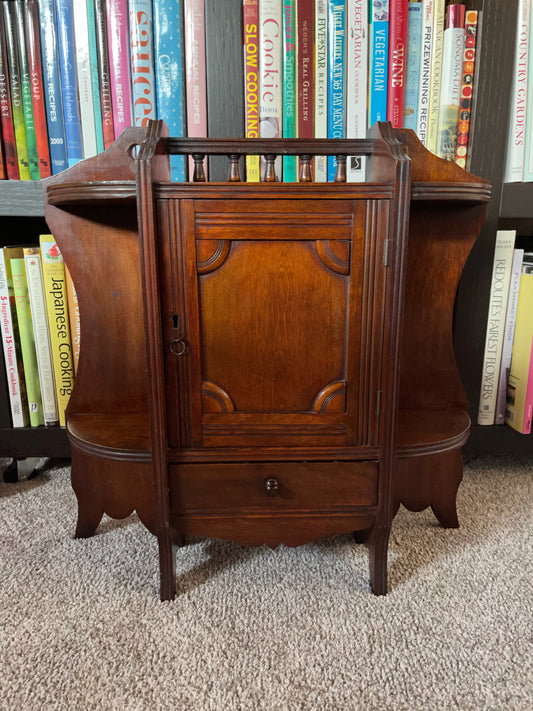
<point>122,437</point>
<point>426,432</point>
<point>79,193</point>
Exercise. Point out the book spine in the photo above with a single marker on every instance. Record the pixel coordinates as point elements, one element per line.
<point>142,61</point>
<point>436,73</point>
<point>356,82</point>
<point>305,82</point>
<point>499,291</point>
<point>270,75</point>
<point>8,129</point>
<point>52,87</point>
<point>119,63</point>
<point>528,139</point>
<point>195,71</point>
<point>104,73</point>
<point>74,319</point>
<point>519,403</point>
<point>514,163</point>
<point>250,11</point>
<point>27,342</point>
<point>467,85</point>
<point>37,86</point>
<point>69,80</point>
<point>84,79</point>
<point>412,70</point>
<point>508,336</point>
<point>321,84</point>
<point>3,169</point>
<point>95,75</point>
<point>12,356</point>
<point>27,96</point>
<point>425,71</point>
<point>168,61</point>
<point>397,61</point>
<point>378,62</point>
<point>450,94</point>
<point>15,83</point>
<point>41,332</point>
<point>58,321</point>
<point>290,91</point>
<point>336,76</point>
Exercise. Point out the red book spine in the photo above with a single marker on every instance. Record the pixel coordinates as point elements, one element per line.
<point>3,172</point>
<point>36,74</point>
<point>467,85</point>
<point>8,131</point>
<point>102,49</point>
<point>305,67</point>
<point>397,61</point>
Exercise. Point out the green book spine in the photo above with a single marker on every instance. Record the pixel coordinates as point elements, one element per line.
<point>95,81</point>
<point>27,342</point>
<point>289,86</point>
<point>27,96</point>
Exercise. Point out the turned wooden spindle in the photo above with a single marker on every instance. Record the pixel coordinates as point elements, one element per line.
<point>270,173</point>
<point>340,173</point>
<point>234,172</point>
<point>199,173</point>
<point>306,172</point>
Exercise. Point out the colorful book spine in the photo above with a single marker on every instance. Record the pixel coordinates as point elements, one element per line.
<point>195,71</point>
<point>142,61</point>
<point>27,342</point>
<point>436,73</point>
<point>424,84</point>
<point>37,86</point>
<point>450,93</point>
<point>84,79</point>
<point>305,68</point>
<point>15,83</point>
<point>69,80</point>
<point>356,82</point>
<point>519,406</point>
<point>499,292</point>
<point>467,86</point>
<point>95,75</point>
<point>528,149</point>
<point>6,114</point>
<point>290,91</point>
<point>321,84</point>
<point>412,69</point>
<point>11,343</point>
<point>118,39</point>
<point>27,96</point>
<point>104,73</point>
<point>52,86</point>
<point>250,9</point>
<point>270,75</point>
<point>74,319</point>
<point>336,76</point>
<point>58,321</point>
<point>397,61</point>
<point>170,88</point>
<point>378,59</point>
<point>41,332</point>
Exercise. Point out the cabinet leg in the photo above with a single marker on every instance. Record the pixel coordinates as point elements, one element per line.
<point>377,543</point>
<point>446,513</point>
<point>167,565</point>
<point>89,516</point>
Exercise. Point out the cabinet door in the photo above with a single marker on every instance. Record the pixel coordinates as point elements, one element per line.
<point>274,321</point>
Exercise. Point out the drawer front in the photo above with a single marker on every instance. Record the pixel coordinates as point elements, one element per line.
<point>277,486</point>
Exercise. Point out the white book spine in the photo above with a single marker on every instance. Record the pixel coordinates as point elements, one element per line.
<point>425,71</point>
<point>270,73</point>
<point>499,293</point>
<point>321,84</point>
<point>85,86</point>
<point>450,93</point>
<point>436,72</point>
<point>356,82</point>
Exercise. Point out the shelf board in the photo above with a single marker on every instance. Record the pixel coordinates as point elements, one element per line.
<point>21,442</point>
<point>21,198</point>
<point>517,201</point>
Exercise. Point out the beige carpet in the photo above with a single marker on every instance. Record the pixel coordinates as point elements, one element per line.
<point>81,626</point>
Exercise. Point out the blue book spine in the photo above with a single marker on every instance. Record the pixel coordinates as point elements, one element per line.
<point>336,75</point>
<point>95,81</point>
<point>52,87</point>
<point>69,80</point>
<point>170,87</point>
<point>412,71</point>
<point>378,61</point>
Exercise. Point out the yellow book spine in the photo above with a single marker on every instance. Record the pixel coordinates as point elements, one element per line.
<point>58,320</point>
<point>520,386</point>
<point>74,319</point>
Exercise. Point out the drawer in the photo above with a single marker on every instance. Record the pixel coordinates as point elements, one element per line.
<point>272,486</point>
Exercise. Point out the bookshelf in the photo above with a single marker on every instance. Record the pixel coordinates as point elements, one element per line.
<point>22,215</point>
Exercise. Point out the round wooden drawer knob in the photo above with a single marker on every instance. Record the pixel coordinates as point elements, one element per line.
<point>272,487</point>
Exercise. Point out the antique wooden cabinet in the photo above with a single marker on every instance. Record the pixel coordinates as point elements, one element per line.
<point>269,363</point>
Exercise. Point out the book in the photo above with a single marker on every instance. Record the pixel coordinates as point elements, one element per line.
<point>169,80</point>
<point>195,72</point>
<point>58,321</point>
<point>52,86</point>
<point>305,112</point>
<point>33,41</point>
<point>41,333</point>
<point>437,46</point>
<point>499,292</point>
<point>74,319</point>
<point>467,86</point>
<point>27,342</point>
<point>321,84</point>
<point>356,83</point>
<point>250,9</point>
<point>378,61</point>
<point>94,74</point>
<point>104,72</point>
<point>270,75</point>
<point>84,79</point>
<point>69,80</point>
<point>290,93</point>
<point>11,342</point>
<point>528,138</point>
<point>519,405</point>
<point>6,114</point>
<point>450,92</point>
<point>142,62</point>
<point>336,76</point>
<point>424,84</point>
<point>412,68</point>
<point>118,41</point>
<point>508,336</point>
<point>397,61</point>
